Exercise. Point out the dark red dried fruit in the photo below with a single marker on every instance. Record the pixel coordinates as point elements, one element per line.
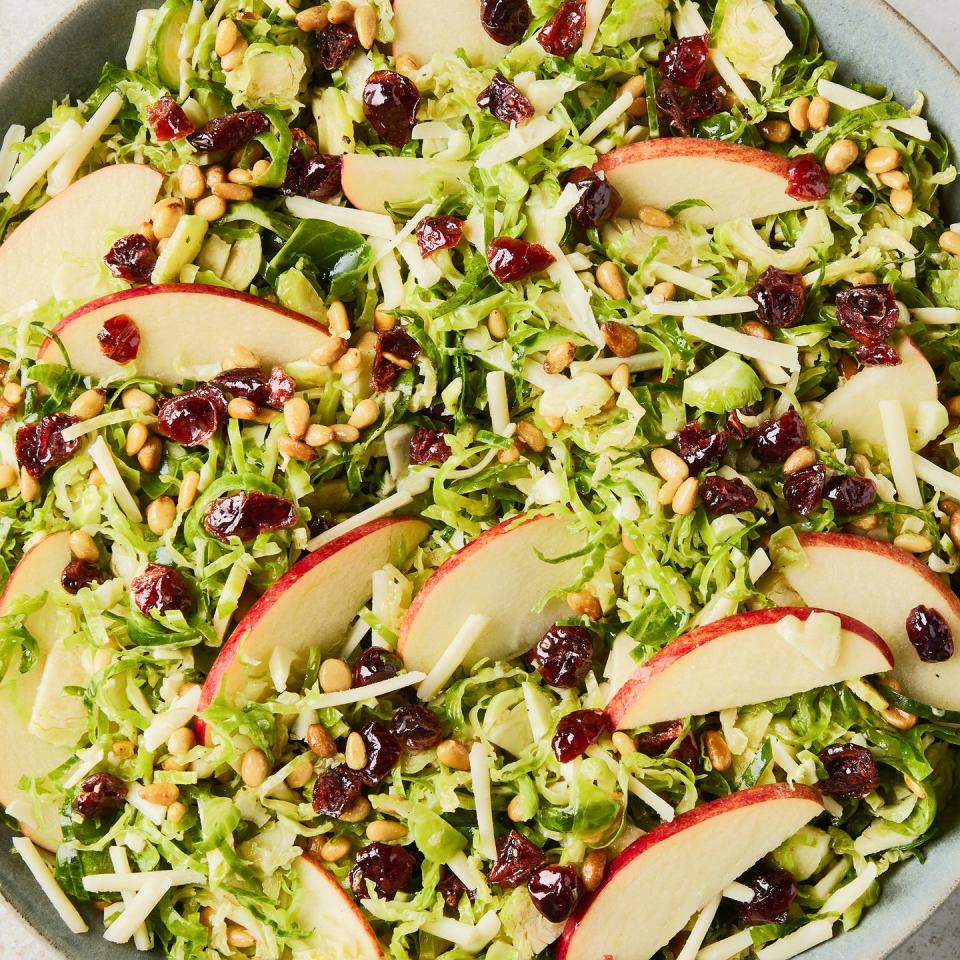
<point>781,298</point>
<point>851,495</point>
<point>806,179</point>
<point>517,859</point>
<point>318,525</point>
<point>851,771</point>
<point>700,448</point>
<point>390,104</point>
<point>335,43</point>
<point>774,440</point>
<point>78,574</point>
<point>868,314</point>
<point>505,20</point>
<point>375,664</point>
<point>131,258</point>
<point>229,132</point>
<point>658,738</point>
<point>428,446</point>
<point>577,731</point>
<point>688,752</point>
<point>736,427</point>
<point>685,61</point>
<point>505,101</point>
<point>562,35</point>
<point>879,355</point>
<point>438,233</point>
<point>119,339</point>
<point>41,447</point>
<point>193,417</point>
<point>383,752</point>
<point>599,200</point>
<point>316,177</point>
<point>396,350</point>
<point>723,495</point>
<point>100,794</point>
<point>417,727</point>
<point>555,891</point>
<point>159,589</point>
<point>804,489</point>
<point>247,514</point>
<point>707,100</point>
<point>511,259</point>
<point>774,891</point>
<point>387,867</point>
<point>252,384</point>
<point>672,103</point>
<point>450,887</point>
<point>564,655</point>
<point>335,789</point>
<point>168,121</point>
<point>930,634</point>
<point>282,388</point>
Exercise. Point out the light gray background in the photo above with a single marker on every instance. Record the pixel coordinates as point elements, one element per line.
<point>22,21</point>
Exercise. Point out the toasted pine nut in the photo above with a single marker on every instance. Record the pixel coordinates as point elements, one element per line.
<point>620,378</point>
<point>345,433</point>
<point>162,793</point>
<point>406,63</point>
<point>233,59</point>
<point>717,750</point>
<point>29,486</point>
<point>239,175</point>
<point>181,741</point>
<point>515,809</point>
<point>260,168</point>
<point>584,604</point>
<point>83,546</point>
<point>87,405</point>
<point>623,743</point>
<point>775,131</point>
<point>663,292</point>
<point>365,23</point>
<point>161,514</point>
<point>239,938</point>
<point>334,849</point>
<point>335,676</point>
<point>497,325</point>
<point>637,88</point>
<point>338,319</point>
<point>385,831</point>
<point>296,449</point>
<point>800,459</point>
<point>296,415</point>
<point>799,114</point>
<point>254,767</point>
<point>352,359</point>
<point>365,414</point>
<point>955,529</point>
<point>610,280</point>
<point>8,476</point>
<point>206,917</point>
<point>818,113</point>
<point>669,465</point>
<point>312,19</point>
<point>227,37</point>
<point>685,499</point>
<point>531,436</point>
<point>214,175</point>
<point>13,393</point>
<point>383,321</point>
<point>318,435</point>
<point>754,328</point>
<point>865,524</point>
<point>210,208</point>
<point>509,455</point>
<point>553,424</point>
<point>192,182</point>
<point>621,341</point>
<point>166,216</point>
<point>96,478</point>
<point>559,356</point>
<point>841,156</point>
<point>188,490</point>
<point>355,752</point>
<point>233,191</point>
<point>359,810</point>
<point>895,180</point>
<point>593,869</point>
<point>902,201</point>
<point>176,812</point>
<point>329,353</point>
<point>122,749</point>
<point>882,159</point>
<point>913,786</point>
<point>135,399</point>
<point>950,242</point>
<point>863,279</point>
<point>146,231</point>
<point>899,719</point>
<point>453,754</point>
<point>300,776</point>
<point>654,217</point>
<point>848,366</point>
<point>240,408</point>
<point>137,436</point>
<point>913,543</point>
<point>320,742</point>
<point>340,12</point>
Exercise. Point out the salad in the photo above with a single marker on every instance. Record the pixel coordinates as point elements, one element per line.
<point>480,480</point>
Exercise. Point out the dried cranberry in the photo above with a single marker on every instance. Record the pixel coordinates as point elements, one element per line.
<point>806,179</point>
<point>119,339</point>
<point>672,104</point>
<point>658,738</point>
<point>851,494</point>
<point>335,790</point>
<point>868,314</point>
<point>335,43</point>
<point>506,21</point>
<point>247,514</point>
<point>564,655</point>
<point>168,120</point>
<point>390,104</point>
<point>707,100</point>
<point>428,446</point>
<point>396,350</point>
<point>229,132</point>
<point>517,859</point>
<point>774,891</point>
<point>555,891</point>
<point>375,664</point>
<point>736,427</point>
<point>450,887</point>
<point>159,589</point>
<point>316,177</point>
<point>131,258</point>
<point>318,525</point>
<point>282,388</point>
<point>774,440</point>
<point>192,418</point>
<point>878,355</point>
<point>416,726</point>
<point>99,795</point>
<point>780,296</point>
<point>599,201</point>
<point>804,489</point>
<point>512,259</point>
<point>851,771</point>
<point>577,731</point>
<point>387,867</point>
<point>505,101</point>
<point>562,35</point>
<point>438,233</point>
<point>251,384</point>
<point>685,61</point>
<point>723,495</point>
<point>78,574</point>
<point>383,752</point>
<point>687,752</point>
<point>930,634</point>
<point>41,447</point>
<point>700,448</point>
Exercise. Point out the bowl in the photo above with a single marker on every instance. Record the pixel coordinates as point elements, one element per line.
<point>884,48</point>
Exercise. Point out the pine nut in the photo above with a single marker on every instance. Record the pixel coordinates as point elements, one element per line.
<point>254,767</point>
<point>623,743</point>
<point>88,404</point>
<point>902,201</point>
<point>385,831</point>
<point>352,359</point>
<point>233,59</point>
<point>406,63</point>
<point>239,175</point>
<point>96,478</point>
<point>637,88</point>
<point>345,433</point>
<point>610,280</point>
<point>240,408</point>
<point>340,12</point>
<point>895,180</point>
<point>161,793</point>
<point>146,231</point>
<point>359,810</point>
<point>296,449</point>
<point>161,514</point>
<point>559,356</point>
<point>669,465</point>
<point>300,776</point>
<point>239,938</point>
<point>176,812</point>
<point>192,182</point>
<point>181,741</point>
<point>685,499</point>
<point>320,742</point>
<point>841,156</point>
<point>188,490</point>
<point>756,329</point>
<point>717,750</point>
<point>383,321</point>
<point>818,113</point>
<point>950,242</point>
<point>914,787</point>
<point>497,325</point>
<point>863,279</point>
<point>29,486</point>
<point>848,366</point>
<point>663,292</point>
<point>355,752</point>
<point>240,357</point>
<point>621,341</point>
<point>365,23</point>
<point>531,436</point>
<point>214,175</point>
<point>296,415</point>
<point>584,604</point>
<point>882,160</point>
<point>137,436</point>
<point>620,378</point>
<point>515,809</point>
<point>593,869</point>
<point>899,719</point>
<point>865,524</point>
<point>227,37</point>
<point>913,543</point>
<point>312,19</point>
<point>331,351</point>
<point>260,168</point>
<point>122,749</point>
<point>800,459</point>
<point>83,546</point>
<point>335,676</point>
<point>13,393</point>
<point>233,191</point>
<point>629,544</point>
<point>955,529</point>
<point>210,208</point>
<point>653,217</point>
<point>8,476</point>
<point>453,754</point>
<point>318,435</point>
<point>799,114</point>
<point>510,455</point>
<point>335,849</point>
<point>135,399</point>
<point>338,319</point>
<point>365,414</point>
<point>775,131</point>
<point>166,216</point>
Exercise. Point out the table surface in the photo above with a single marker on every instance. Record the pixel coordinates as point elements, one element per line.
<point>939,19</point>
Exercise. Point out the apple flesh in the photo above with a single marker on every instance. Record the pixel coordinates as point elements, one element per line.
<point>734,180</point>
<point>185,331</point>
<point>422,31</point>
<point>727,664</point>
<point>498,575</point>
<point>74,227</point>
<point>370,181</point>
<point>880,584</point>
<point>677,868</point>
<point>310,607</point>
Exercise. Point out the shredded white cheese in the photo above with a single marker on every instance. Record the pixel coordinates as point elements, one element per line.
<point>605,366</point>
<point>607,118</point>
<point>370,692</point>
<point>41,873</point>
<point>8,156</point>
<point>497,402</point>
<point>797,942</point>
<point>426,210</point>
<point>103,459</point>
<point>690,23</point>
<point>727,948</point>
<point>66,169</point>
<point>480,780</point>
<point>594,14</point>
<point>139,41</point>
<point>699,930</point>
<point>109,419</point>
<point>29,173</point>
<point>121,882</point>
<point>363,221</point>
<point>944,481</point>
<point>118,857</point>
<point>382,509</point>
<point>232,588</point>
<point>842,96</point>
<point>899,453</point>
<point>701,286</point>
<point>388,273</point>
<point>738,892</point>
<point>179,713</point>
<point>518,142</point>
<point>772,351</point>
<point>844,898</point>
<point>468,873</point>
<point>471,938</point>
<point>88,758</point>
<point>575,295</point>
<point>453,656</point>
<point>717,307</point>
<point>638,789</point>
<point>140,907</point>
<point>936,316</point>
<point>759,564</point>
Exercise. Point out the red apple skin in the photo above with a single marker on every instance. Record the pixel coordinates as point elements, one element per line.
<point>691,147</point>
<point>679,648</point>
<point>733,801</point>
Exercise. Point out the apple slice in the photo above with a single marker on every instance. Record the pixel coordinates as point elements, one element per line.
<point>498,575</point>
<point>185,331</point>
<point>337,927</point>
<point>75,227</point>
<point>22,753</point>
<point>310,606</point>
<point>370,181</point>
<point>727,664</point>
<point>677,868</point>
<point>419,30</point>
<point>880,584</point>
<point>735,181</point>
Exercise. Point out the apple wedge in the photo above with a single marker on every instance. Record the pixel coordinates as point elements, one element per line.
<point>421,31</point>
<point>310,606</point>
<point>499,575</point>
<point>185,331</point>
<point>75,227</point>
<point>370,181</point>
<point>735,181</point>
<point>727,664</point>
<point>880,584</point>
<point>337,927</point>
<point>677,868</point>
